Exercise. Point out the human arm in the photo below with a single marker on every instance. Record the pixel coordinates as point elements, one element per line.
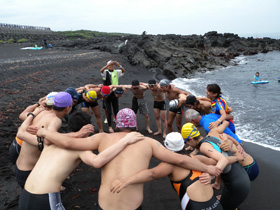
<point>120,66</point>
<point>182,99</point>
<point>84,131</point>
<point>23,134</point>
<point>31,108</point>
<point>220,120</point>
<point>183,161</point>
<point>88,87</point>
<point>147,175</point>
<point>208,150</point>
<point>203,99</point>
<point>97,161</point>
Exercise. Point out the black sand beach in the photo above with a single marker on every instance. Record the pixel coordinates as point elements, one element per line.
<point>27,75</point>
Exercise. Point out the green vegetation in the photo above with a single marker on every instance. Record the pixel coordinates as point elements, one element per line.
<point>10,41</point>
<point>86,34</point>
<point>22,40</point>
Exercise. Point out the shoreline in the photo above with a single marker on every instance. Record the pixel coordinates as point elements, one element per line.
<point>22,86</point>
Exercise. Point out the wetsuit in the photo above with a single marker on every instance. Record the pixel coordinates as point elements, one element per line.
<point>220,104</point>
<point>49,201</point>
<point>252,170</point>
<point>14,150</point>
<point>160,105</point>
<point>21,176</point>
<point>111,102</point>
<point>181,188</point>
<point>235,179</point>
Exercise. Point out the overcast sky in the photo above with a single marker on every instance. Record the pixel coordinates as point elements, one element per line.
<point>252,17</point>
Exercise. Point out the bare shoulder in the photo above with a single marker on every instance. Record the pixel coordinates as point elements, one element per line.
<point>153,142</point>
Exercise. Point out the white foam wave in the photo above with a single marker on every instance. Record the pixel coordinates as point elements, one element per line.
<point>261,144</point>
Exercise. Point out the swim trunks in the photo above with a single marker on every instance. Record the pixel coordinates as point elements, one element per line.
<point>159,105</point>
<point>252,170</point>
<point>21,176</point>
<point>14,150</point>
<point>49,201</point>
<point>139,103</point>
<point>179,110</point>
<point>89,104</point>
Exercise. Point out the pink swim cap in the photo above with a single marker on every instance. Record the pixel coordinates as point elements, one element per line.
<point>126,118</point>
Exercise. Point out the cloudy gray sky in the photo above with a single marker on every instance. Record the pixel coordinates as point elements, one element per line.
<point>243,17</point>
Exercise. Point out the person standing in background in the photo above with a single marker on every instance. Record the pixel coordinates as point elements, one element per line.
<point>111,77</point>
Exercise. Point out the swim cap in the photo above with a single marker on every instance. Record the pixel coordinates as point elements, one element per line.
<point>106,90</point>
<point>164,82</point>
<point>91,95</point>
<point>126,118</point>
<point>173,104</point>
<point>174,142</point>
<point>50,98</point>
<point>110,61</point>
<point>119,90</point>
<point>135,82</point>
<point>191,99</point>
<point>152,82</point>
<point>189,131</point>
<point>72,91</point>
<point>62,99</point>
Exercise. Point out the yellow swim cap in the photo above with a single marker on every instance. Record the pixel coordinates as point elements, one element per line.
<point>189,131</point>
<point>91,95</point>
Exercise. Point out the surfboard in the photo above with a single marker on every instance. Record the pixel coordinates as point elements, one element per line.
<point>260,82</point>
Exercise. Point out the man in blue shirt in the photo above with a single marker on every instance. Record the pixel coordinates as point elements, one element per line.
<point>194,117</point>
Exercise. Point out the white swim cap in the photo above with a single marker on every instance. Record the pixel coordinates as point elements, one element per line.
<point>173,103</point>
<point>174,142</point>
<point>50,98</point>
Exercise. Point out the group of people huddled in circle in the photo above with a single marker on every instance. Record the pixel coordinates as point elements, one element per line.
<point>204,148</point>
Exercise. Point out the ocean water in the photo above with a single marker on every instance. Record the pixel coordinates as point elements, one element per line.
<point>256,106</point>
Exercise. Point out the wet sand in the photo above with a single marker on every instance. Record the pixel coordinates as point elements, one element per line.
<point>27,75</point>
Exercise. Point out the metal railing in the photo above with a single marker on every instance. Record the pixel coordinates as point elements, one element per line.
<point>14,26</point>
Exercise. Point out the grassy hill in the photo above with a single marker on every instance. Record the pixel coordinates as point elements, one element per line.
<point>87,34</point>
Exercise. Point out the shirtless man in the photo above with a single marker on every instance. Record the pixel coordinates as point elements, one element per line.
<point>131,160</point>
<point>42,188</point>
<point>173,93</point>
<point>200,104</point>
<point>159,106</point>
<point>138,101</point>
<point>30,153</point>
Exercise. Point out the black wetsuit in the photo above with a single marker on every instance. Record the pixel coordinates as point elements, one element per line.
<point>235,179</point>
<point>49,201</point>
<point>21,176</point>
<point>111,102</point>
<point>14,151</point>
<point>181,188</point>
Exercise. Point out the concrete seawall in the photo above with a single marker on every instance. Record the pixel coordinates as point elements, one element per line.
<point>31,33</point>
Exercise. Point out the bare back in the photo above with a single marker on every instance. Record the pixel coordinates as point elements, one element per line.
<point>173,93</point>
<point>48,174</point>
<point>30,153</point>
<point>131,160</point>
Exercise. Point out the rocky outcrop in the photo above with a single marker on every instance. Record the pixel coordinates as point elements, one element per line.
<point>176,55</point>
